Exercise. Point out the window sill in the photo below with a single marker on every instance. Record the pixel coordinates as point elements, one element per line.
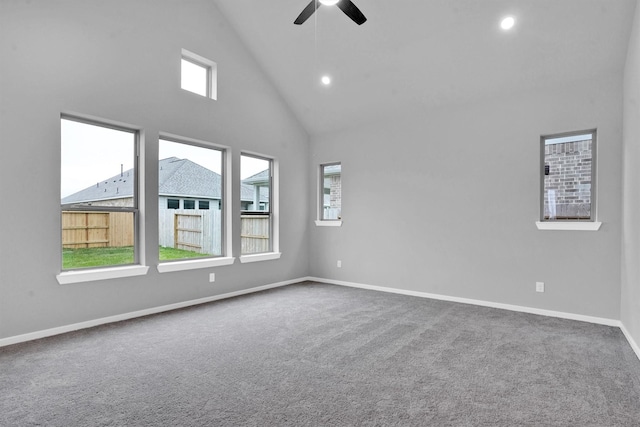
<point>194,264</point>
<point>568,226</point>
<point>68,277</point>
<point>320,223</point>
<point>260,257</point>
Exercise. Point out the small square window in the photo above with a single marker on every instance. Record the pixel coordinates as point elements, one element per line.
<point>203,204</point>
<point>189,204</point>
<point>173,204</point>
<point>194,77</point>
<point>198,75</point>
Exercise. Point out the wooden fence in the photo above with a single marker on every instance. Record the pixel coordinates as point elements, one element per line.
<point>96,229</point>
<point>191,229</point>
<point>255,234</point>
<point>188,232</point>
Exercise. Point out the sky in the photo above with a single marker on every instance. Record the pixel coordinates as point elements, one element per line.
<point>210,159</point>
<point>193,78</point>
<point>91,154</point>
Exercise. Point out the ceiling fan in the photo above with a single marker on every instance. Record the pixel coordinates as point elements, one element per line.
<point>346,6</point>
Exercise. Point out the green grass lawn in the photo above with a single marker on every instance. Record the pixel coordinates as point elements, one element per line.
<point>100,257</point>
<point>167,254</point>
<point>96,257</point>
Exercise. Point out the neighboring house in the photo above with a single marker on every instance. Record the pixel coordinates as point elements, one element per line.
<point>255,192</point>
<point>114,191</point>
<point>332,191</point>
<point>567,179</point>
<point>182,184</point>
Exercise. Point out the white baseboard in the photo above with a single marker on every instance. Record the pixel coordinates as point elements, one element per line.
<point>154,310</point>
<point>126,316</point>
<point>523,309</point>
<point>632,342</point>
<point>519,308</point>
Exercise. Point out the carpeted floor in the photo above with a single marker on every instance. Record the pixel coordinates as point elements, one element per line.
<point>314,354</point>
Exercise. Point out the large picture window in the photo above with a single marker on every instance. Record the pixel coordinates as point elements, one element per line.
<point>568,176</point>
<point>99,197</point>
<point>257,214</point>
<point>190,191</point>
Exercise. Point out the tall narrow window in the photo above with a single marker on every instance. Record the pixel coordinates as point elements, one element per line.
<point>99,197</point>
<point>256,192</point>
<point>331,192</point>
<point>568,176</point>
<point>187,172</point>
<point>198,75</point>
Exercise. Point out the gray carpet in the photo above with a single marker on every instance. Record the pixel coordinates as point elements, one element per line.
<point>315,354</point>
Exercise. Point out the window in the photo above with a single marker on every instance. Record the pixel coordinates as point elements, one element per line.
<point>198,75</point>
<point>99,195</point>
<point>187,170</point>
<point>331,192</point>
<point>568,176</point>
<point>256,192</point>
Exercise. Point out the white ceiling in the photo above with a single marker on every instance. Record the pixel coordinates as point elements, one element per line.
<point>425,53</point>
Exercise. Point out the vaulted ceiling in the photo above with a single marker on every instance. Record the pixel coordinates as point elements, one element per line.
<point>421,54</point>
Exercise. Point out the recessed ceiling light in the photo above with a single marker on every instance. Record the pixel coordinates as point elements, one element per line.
<point>329,2</point>
<point>326,80</point>
<point>508,23</point>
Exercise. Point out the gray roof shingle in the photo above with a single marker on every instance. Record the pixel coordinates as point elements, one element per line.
<point>182,177</point>
<point>176,177</point>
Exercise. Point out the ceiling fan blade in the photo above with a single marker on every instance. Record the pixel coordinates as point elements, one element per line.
<point>307,12</point>
<point>352,11</point>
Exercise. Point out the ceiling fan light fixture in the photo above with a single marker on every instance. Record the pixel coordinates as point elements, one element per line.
<point>347,6</point>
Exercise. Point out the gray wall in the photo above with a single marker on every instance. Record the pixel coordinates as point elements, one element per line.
<point>445,202</point>
<point>434,201</point>
<point>630,302</point>
<point>120,60</point>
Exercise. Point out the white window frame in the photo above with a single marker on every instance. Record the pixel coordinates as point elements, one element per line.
<point>320,220</point>
<point>117,271</point>
<point>274,212</point>
<point>591,224</point>
<point>226,258</point>
<point>211,69</point>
